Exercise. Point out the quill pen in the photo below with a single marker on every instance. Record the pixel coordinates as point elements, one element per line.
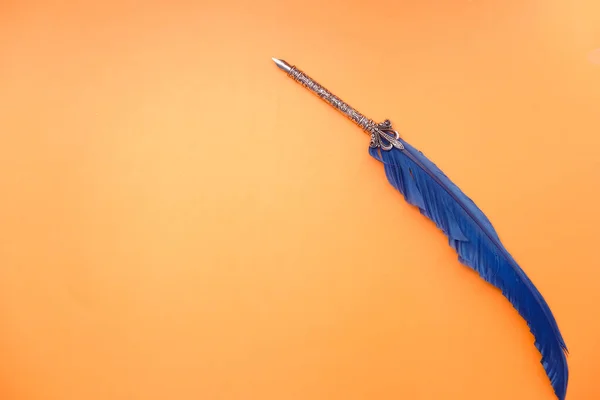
<point>469,231</point>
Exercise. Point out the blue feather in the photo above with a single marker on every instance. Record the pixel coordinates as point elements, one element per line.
<point>478,246</point>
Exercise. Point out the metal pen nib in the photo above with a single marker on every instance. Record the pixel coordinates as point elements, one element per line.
<point>383,135</point>
<point>282,64</point>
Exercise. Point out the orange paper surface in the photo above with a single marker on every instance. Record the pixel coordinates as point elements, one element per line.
<point>179,220</point>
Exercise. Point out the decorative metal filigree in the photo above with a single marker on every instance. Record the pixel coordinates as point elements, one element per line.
<point>382,135</point>
<point>385,137</point>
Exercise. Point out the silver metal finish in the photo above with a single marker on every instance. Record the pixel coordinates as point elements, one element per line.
<point>282,64</point>
<point>383,136</point>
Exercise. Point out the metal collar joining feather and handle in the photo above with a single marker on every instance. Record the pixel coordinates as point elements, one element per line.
<point>383,136</point>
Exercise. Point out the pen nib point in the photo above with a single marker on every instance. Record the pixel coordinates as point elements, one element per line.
<point>282,64</point>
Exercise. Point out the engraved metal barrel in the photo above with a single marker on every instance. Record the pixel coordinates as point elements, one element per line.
<point>365,123</point>
<point>382,135</point>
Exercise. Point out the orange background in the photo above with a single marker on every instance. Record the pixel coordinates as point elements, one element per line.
<point>179,220</point>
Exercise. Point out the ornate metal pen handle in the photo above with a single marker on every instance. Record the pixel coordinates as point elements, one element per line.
<point>382,134</point>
